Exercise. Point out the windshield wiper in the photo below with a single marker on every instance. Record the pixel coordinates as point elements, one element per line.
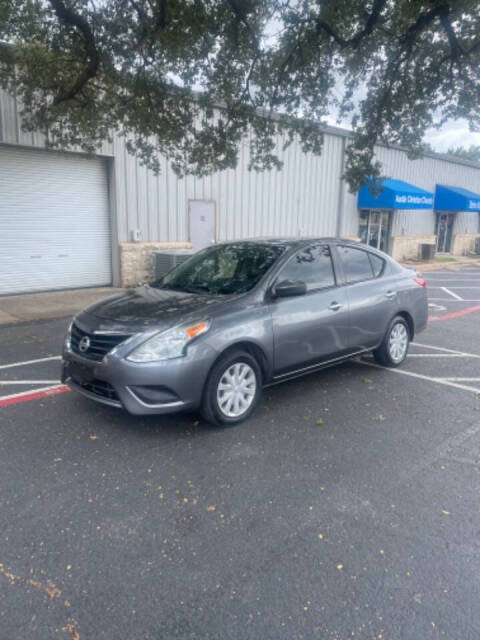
<point>197,288</point>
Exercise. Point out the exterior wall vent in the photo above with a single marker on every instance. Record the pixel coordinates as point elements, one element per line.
<point>167,260</point>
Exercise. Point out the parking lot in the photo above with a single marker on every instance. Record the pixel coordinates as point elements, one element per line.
<point>347,507</point>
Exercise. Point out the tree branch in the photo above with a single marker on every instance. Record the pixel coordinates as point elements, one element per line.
<point>71,19</point>
<point>355,40</point>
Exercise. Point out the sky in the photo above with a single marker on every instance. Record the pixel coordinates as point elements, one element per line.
<point>454,133</point>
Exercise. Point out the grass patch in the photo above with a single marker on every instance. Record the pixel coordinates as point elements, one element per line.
<point>444,259</point>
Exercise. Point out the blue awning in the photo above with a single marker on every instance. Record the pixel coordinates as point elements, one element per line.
<point>396,194</point>
<point>455,199</point>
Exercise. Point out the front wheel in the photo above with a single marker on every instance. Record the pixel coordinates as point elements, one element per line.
<point>233,389</point>
<point>394,348</point>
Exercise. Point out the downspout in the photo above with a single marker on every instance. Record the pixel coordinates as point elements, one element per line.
<point>341,191</point>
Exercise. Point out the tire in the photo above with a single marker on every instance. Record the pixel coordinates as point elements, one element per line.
<point>235,368</point>
<point>394,348</point>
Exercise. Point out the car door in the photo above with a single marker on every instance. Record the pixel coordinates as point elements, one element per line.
<point>371,295</point>
<point>312,327</point>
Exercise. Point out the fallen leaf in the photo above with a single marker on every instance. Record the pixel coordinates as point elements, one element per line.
<point>380,418</point>
<point>212,507</point>
<point>320,536</point>
<point>339,566</point>
<point>196,423</point>
<point>319,421</point>
<point>445,513</point>
<point>93,437</point>
<point>367,380</point>
<point>69,566</point>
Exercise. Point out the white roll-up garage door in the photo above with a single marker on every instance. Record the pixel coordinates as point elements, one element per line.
<point>54,221</point>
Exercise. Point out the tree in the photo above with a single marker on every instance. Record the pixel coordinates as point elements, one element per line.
<point>472,153</point>
<point>154,70</point>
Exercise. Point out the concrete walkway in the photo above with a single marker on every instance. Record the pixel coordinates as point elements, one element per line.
<point>455,264</point>
<point>52,304</point>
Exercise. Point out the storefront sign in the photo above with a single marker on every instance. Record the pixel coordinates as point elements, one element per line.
<point>409,199</point>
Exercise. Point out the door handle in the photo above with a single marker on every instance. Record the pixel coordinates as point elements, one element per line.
<point>390,294</point>
<point>335,306</point>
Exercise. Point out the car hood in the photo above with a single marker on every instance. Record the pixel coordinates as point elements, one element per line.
<point>148,307</point>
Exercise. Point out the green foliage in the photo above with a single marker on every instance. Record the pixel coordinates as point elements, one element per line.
<point>472,153</point>
<point>154,71</point>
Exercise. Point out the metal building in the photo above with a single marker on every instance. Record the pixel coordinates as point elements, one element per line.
<point>71,220</point>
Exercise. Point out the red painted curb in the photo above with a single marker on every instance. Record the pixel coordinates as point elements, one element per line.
<point>33,395</point>
<point>455,314</point>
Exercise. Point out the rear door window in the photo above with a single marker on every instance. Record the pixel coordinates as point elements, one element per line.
<point>356,264</point>
<point>377,264</point>
<point>312,265</point>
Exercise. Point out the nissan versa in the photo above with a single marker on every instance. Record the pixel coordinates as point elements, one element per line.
<point>239,316</point>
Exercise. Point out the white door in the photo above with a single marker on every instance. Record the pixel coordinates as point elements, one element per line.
<point>54,221</point>
<point>201,220</point>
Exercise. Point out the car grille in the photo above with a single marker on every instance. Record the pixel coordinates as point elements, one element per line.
<point>99,388</point>
<point>99,343</point>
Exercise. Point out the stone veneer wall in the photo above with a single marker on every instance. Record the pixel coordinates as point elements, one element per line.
<point>463,243</point>
<point>136,260</point>
<point>408,247</point>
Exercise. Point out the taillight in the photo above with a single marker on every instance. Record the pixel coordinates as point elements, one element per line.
<point>421,282</point>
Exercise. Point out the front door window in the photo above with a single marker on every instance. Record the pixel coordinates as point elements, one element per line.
<point>444,231</point>
<point>374,228</point>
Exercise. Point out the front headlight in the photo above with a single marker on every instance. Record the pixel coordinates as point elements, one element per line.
<point>168,344</point>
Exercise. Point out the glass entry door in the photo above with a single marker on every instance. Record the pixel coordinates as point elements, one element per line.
<point>444,231</point>
<point>375,228</point>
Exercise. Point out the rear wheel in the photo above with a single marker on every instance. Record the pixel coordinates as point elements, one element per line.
<point>233,389</point>
<point>394,348</point>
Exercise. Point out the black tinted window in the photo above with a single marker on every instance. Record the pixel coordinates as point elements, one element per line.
<point>312,266</point>
<point>377,264</point>
<point>356,264</point>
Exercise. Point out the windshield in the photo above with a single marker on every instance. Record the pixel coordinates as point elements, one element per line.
<point>231,268</point>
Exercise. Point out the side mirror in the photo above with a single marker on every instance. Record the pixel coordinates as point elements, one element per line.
<point>287,288</point>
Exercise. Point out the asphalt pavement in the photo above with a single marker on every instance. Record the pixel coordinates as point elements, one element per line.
<point>346,507</point>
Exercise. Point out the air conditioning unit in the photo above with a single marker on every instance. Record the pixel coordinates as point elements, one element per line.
<point>477,245</point>
<point>167,260</point>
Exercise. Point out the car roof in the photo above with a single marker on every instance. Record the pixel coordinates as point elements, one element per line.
<point>291,242</point>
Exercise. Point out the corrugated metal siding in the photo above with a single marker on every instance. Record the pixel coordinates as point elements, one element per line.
<point>11,127</point>
<point>301,199</point>
<point>411,222</point>
<point>466,222</point>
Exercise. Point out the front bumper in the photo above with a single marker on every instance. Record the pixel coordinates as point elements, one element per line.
<point>142,388</point>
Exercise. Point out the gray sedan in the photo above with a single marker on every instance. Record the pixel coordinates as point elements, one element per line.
<point>237,317</point>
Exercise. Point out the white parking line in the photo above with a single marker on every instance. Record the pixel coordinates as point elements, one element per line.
<point>454,295</point>
<point>14,382</point>
<point>444,381</point>
<point>25,362</point>
<point>463,379</point>
<point>454,287</point>
<point>438,355</point>
<point>431,346</point>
